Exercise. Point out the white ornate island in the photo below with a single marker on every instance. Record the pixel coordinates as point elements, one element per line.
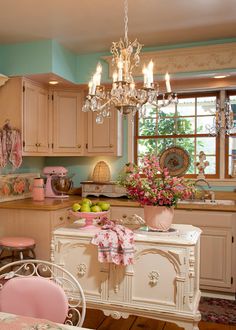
<point>163,282</point>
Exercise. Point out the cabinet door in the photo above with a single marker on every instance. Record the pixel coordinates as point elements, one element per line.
<point>67,123</point>
<point>216,246</point>
<point>216,257</point>
<point>35,119</point>
<point>79,257</point>
<point>154,281</point>
<point>106,138</point>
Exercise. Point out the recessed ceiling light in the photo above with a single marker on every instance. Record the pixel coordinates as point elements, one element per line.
<point>220,77</point>
<point>53,82</point>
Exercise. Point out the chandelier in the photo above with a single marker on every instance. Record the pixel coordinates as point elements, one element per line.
<point>124,95</point>
<point>223,121</point>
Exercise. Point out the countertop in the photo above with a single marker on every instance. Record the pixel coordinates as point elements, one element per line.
<point>52,204</point>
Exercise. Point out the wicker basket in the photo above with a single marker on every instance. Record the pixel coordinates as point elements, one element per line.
<point>101,172</point>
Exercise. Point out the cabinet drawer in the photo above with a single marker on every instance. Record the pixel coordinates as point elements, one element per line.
<point>128,215</point>
<point>61,218</point>
<point>97,188</point>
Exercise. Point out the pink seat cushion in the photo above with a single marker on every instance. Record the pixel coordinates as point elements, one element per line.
<point>36,297</point>
<point>17,242</point>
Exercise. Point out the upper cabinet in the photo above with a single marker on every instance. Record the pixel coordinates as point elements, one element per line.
<point>25,104</point>
<point>67,123</point>
<point>106,138</point>
<point>35,119</point>
<point>52,121</point>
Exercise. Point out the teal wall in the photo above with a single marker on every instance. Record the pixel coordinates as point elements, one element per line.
<point>26,58</point>
<point>63,62</point>
<point>49,56</point>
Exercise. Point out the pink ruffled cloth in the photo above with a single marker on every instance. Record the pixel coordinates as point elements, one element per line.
<point>115,244</point>
<point>10,146</point>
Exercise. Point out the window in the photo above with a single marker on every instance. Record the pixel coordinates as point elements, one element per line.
<point>185,124</point>
<point>230,147</point>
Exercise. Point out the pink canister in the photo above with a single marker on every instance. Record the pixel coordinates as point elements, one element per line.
<point>38,190</point>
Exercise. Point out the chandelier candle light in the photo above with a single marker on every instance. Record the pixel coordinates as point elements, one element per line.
<point>124,95</point>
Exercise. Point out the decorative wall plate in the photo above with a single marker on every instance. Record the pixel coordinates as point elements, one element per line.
<point>176,159</point>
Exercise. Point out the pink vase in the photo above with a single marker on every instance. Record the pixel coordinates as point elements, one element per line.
<point>158,217</point>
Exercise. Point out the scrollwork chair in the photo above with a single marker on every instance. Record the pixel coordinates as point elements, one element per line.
<point>41,289</point>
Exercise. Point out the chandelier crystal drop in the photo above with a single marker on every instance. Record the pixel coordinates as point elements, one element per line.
<point>223,121</point>
<point>124,95</point>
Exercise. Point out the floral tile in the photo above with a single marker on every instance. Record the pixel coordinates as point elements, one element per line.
<point>16,186</point>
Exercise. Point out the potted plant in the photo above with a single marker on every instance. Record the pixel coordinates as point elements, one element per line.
<point>155,190</point>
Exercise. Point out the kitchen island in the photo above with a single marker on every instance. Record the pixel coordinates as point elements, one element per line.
<point>217,222</point>
<point>162,282</point>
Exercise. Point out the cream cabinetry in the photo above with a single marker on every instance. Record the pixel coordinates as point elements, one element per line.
<point>35,119</point>
<point>218,266</point>
<point>162,283</point>
<point>33,223</point>
<point>67,123</point>
<point>25,104</point>
<point>218,255</point>
<point>106,138</point>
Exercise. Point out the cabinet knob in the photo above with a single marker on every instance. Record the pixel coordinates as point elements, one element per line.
<point>79,146</point>
<point>68,218</point>
<point>124,216</point>
<point>61,218</point>
<point>36,144</point>
<point>111,145</point>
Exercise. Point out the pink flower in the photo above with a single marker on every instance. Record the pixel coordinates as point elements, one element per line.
<point>151,185</point>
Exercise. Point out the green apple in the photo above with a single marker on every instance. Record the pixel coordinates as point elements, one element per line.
<point>96,208</point>
<point>76,207</point>
<point>85,208</point>
<point>105,206</point>
<point>86,201</point>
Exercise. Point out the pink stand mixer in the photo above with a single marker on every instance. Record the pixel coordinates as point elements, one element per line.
<point>57,183</point>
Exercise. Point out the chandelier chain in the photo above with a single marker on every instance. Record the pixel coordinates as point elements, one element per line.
<point>126,22</point>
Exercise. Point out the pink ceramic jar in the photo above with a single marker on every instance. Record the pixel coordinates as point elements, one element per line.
<point>38,190</point>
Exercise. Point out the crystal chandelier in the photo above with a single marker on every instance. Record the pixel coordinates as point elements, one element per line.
<point>124,95</point>
<point>223,121</point>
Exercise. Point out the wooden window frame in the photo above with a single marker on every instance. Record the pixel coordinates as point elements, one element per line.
<point>217,155</point>
<point>226,156</point>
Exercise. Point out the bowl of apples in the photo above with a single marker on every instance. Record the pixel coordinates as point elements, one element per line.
<point>90,212</point>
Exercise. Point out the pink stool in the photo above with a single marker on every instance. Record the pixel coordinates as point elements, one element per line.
<point>19,247</point>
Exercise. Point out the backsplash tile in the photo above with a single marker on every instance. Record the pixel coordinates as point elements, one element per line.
<point>16,186</point>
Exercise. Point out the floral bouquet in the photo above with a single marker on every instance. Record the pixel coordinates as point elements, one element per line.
<point>151,185</point>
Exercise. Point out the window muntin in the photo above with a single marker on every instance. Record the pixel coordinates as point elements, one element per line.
<point>230,154</point>
<point>182,125</point>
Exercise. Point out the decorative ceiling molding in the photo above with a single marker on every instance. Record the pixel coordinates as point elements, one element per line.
<point>183,60</point>
<point>3,79</point>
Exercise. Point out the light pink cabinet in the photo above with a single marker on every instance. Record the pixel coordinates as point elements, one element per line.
<point>106,138</point>
<point>25,104</point>
<point>35,119</point>
<point>218,253</point>
<point>37,224</point>
<point>67,123</point>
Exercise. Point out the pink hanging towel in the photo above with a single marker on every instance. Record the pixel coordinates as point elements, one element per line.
<point>15,156</point>
<point>115,244</point>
